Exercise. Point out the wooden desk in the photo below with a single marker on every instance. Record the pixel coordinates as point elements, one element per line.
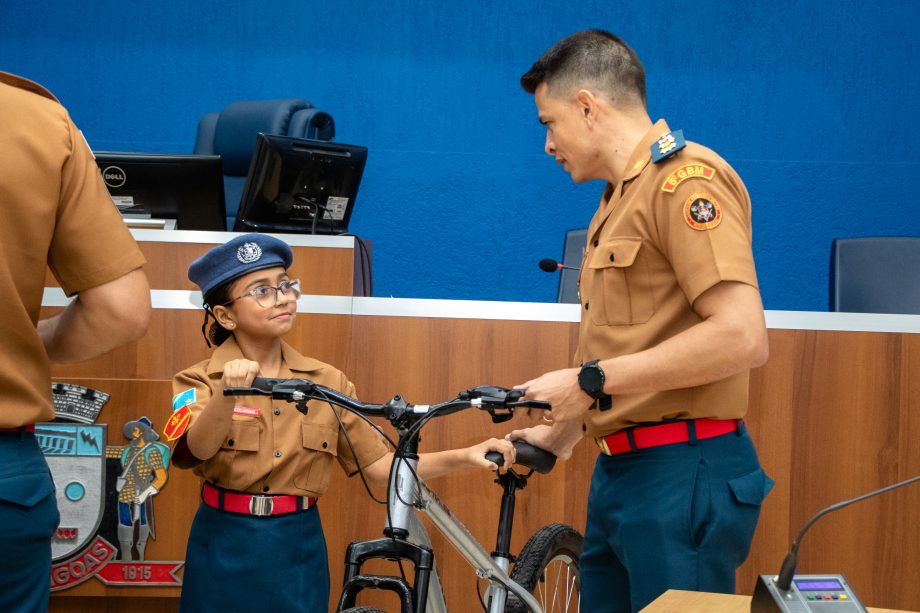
<point>678,601</point>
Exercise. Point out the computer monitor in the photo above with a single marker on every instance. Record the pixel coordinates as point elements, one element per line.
<point>186,188</point>
<point>297,185</point>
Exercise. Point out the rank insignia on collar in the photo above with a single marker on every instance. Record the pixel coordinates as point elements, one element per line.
<point>687,171</point>
<point>702,212</point>
<point>668,145</point>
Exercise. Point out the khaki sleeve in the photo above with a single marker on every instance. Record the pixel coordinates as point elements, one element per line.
<point>91,243</point>
<point>190,389</point>
<point>366,444</point>
<point>704,230</point>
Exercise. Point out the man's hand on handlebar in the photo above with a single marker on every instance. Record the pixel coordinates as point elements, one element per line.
<point>559,439</point>
<point>560,388</point>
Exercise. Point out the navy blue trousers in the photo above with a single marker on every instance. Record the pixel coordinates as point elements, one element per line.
<point>28,519</point>
<point>677,516</point>
<point>241,563</point>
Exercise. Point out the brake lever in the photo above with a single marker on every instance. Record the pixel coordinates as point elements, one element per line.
<point>532,404</point>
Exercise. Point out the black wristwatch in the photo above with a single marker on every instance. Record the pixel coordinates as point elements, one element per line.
<point>591,379</point>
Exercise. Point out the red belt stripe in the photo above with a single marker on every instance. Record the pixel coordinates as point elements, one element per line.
<point>668,433</point>
<point>239,502</point>
<point>29,428</point>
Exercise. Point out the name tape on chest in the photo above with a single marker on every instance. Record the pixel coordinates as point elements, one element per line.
<point>249,411</point>
<point>687,171</point>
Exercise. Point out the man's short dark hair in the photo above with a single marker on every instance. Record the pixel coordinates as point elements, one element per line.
<point>590,57</point>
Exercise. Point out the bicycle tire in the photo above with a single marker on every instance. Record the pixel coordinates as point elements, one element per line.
<point>362,610</point>
<point>552,554</point>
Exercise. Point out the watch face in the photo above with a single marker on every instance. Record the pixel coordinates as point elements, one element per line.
<point>591,379</point>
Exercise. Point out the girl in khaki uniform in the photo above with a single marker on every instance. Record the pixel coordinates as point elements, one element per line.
<point>257,541</point>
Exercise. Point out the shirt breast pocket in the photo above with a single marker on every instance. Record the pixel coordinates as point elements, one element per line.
<point>319,450</point>
<point>238,455</point>
<point>621,291</point>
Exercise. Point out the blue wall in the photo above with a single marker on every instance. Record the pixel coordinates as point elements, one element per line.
<point>813,103</point>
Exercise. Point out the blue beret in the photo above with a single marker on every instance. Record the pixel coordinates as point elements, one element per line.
<point>238,257</point>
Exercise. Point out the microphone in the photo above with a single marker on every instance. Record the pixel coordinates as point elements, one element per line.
<point>784,579</point>
<point>551,265</point>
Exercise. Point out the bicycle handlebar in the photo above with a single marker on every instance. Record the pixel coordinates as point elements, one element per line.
<point>499,402</point>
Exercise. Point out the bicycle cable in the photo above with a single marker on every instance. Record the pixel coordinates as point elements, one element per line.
<point>351,448</point>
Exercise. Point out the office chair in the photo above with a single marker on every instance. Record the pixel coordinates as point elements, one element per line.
<point>572,251</point>
<point>231,134</point>
<point>875,274</point>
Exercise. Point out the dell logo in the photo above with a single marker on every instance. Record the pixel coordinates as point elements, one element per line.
<point>114,176</point>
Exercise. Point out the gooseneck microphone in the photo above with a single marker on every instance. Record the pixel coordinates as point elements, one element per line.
<point>784,579</point>
<point>551,265</point>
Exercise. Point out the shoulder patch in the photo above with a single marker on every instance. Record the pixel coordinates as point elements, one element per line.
<point>177,423</point>
<point>183,399</point>
<point>687,171</point>
<point>668,145</point>
<point>702,212</point>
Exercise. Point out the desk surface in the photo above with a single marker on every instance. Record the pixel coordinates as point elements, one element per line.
<point>678,601</point>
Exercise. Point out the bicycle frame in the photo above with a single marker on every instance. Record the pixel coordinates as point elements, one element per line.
<point>405,536</point>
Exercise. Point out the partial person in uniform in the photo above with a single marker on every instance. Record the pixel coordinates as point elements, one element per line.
<point>257,541</point>
<point>55,213</point>
<point>671,324</point>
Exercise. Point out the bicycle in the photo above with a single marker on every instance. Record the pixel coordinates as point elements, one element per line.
<point>545,575</point>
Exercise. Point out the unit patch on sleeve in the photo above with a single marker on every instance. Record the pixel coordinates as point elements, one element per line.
<point>702,212</point>
<point>687,171</point>
<point>177,423</point>
<point>183,398</point>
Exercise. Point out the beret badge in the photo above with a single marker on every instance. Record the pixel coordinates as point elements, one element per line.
<point>248,253</point>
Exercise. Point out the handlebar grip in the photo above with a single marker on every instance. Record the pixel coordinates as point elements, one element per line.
<point>527,455</point>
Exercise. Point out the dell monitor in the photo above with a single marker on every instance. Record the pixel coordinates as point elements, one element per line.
<point>297,185</point>
<point>186,188</point>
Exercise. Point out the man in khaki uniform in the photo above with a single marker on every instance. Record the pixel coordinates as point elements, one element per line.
<point>671,323</point>
<point>55,212</point>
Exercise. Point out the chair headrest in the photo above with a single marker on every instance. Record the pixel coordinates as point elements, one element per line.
<point>240,122</point>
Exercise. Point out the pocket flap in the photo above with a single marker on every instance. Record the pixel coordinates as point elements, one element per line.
<point>751,488</point>
<point>26,490</point>
<point>243,436</point>
<point>320,438</point>
<point>619,252</point>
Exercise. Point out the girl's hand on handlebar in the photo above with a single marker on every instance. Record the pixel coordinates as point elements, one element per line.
<point>240,373</point>
<point>476,455</point>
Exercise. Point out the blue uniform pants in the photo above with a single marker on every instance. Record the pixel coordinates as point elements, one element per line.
<point>678,516</point>
<point>238,562</point>
<point>28,519</point>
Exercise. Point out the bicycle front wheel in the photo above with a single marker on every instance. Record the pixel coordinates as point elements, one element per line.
<point>548,568</point>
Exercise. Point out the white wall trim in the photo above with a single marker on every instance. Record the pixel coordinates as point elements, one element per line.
<point>515,311</point>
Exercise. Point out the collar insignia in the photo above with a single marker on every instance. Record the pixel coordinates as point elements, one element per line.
<point>668,145</point>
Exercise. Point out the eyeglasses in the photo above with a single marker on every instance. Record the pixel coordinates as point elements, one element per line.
<point>267,296</point>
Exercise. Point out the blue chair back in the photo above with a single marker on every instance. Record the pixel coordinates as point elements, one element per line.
<point>875,274</point>
<point>572,252</point>
<point>231,134</point>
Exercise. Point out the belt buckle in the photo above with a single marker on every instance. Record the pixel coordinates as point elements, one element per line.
<point>261,506</point>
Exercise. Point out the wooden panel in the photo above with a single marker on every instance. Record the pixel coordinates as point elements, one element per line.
<point>322,270</point>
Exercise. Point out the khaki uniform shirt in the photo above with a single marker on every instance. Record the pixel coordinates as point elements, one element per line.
<point>661,237</point>
<point>271,447</point>
<point>54,211</point>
